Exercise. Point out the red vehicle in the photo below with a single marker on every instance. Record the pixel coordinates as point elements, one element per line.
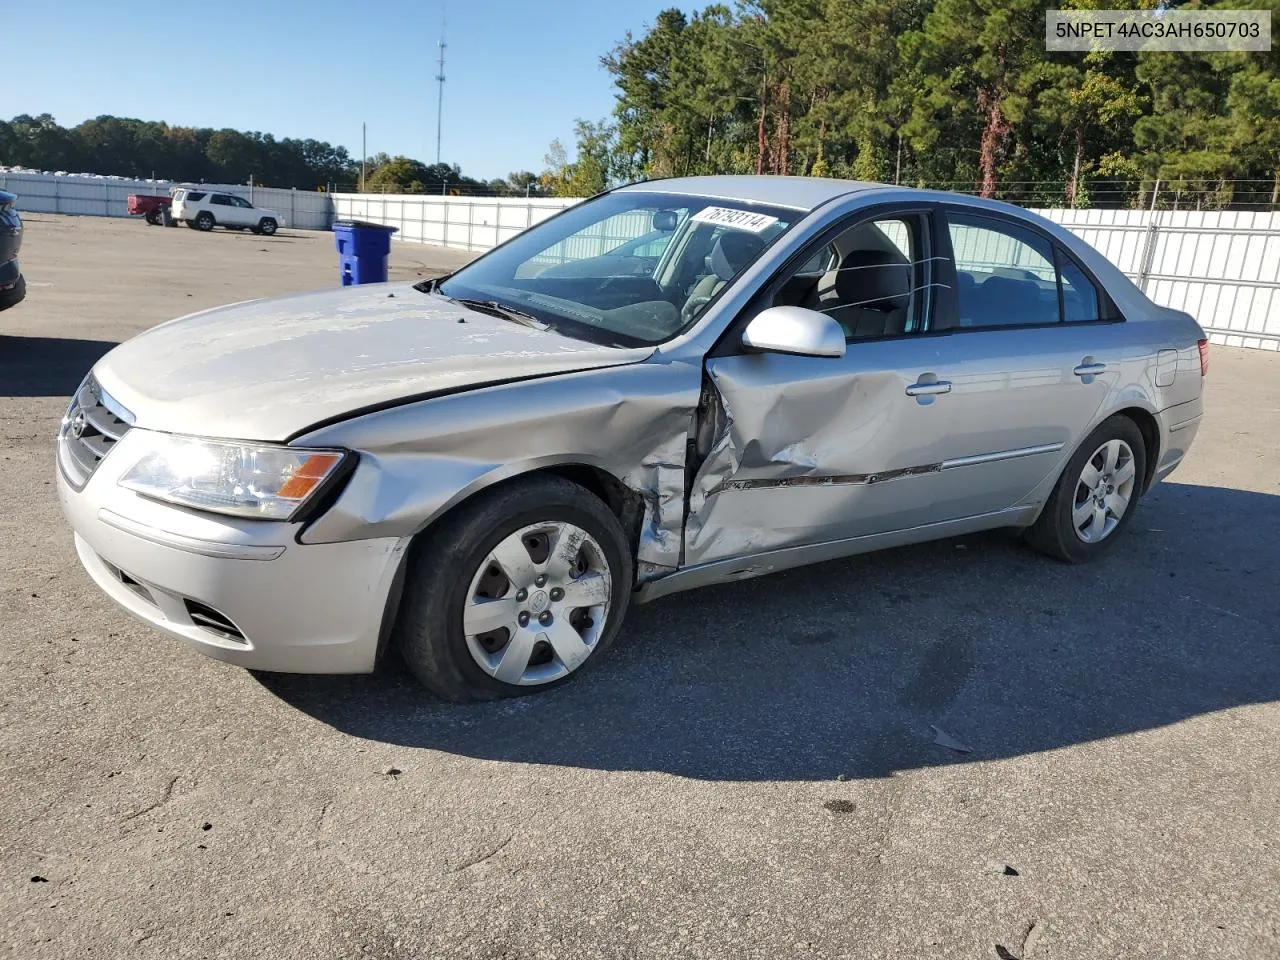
<point>149,207</point>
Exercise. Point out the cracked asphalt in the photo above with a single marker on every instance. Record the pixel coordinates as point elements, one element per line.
<point>756,770</point>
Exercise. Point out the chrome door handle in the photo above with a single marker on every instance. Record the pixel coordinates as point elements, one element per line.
<point>929,389</point>
<point>1089,369</point>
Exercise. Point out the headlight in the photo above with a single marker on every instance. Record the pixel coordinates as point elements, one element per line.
<point>257,480</point>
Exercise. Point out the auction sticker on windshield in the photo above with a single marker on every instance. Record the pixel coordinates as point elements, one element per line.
<point>738,219</point>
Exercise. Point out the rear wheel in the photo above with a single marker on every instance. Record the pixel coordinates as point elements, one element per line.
<point>153,217</point>
<point>204,220</point>
<point>1096,496</point>
<point>516,592</point>
<point>267,226</point>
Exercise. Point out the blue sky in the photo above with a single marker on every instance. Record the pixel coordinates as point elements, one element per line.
<point>519,74</point>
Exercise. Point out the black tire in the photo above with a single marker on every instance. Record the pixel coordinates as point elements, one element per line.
<point>267,226</point>
<point>1054,532</point>
<point>14,295</point>
<point>153,217</point>
<point>204,220</point>
<point>441,564</point>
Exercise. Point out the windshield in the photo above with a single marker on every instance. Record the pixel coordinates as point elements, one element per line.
<point>625,269</point>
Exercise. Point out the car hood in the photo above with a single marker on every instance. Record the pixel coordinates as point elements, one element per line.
<point>269,369</point>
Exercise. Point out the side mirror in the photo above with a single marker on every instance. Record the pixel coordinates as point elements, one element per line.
<point>794,330</point>
<point>664,220</point>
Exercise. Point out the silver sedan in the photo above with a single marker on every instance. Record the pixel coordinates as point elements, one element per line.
<point>677,383</point>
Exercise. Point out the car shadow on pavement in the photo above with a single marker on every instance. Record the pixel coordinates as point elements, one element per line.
<point>46,366</point>
<point>856,668</point>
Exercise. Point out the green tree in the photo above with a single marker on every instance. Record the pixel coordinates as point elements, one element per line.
<point>400,175</point>
<point>591,171</point>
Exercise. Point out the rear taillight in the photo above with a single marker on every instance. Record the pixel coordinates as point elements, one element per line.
<point>1204,357</point>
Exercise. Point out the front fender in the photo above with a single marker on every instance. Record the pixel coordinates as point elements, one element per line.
<point>420,460</point>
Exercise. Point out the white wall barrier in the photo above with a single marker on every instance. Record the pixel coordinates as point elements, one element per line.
<point>468,223</point>
<point>102,197</point>
<point>1222,267</point>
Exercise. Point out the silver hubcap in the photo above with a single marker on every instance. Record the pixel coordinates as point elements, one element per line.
<point>538,605</point>
<point>1103,492</point>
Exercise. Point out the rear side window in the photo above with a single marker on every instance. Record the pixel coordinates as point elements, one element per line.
<point>1079,295</point>
<point>1004,275</point>
<point>195,196</point>
<point>221,200</point>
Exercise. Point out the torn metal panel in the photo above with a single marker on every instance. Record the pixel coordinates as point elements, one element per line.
<point>418,460</point>
<point>827,480</point>
<point>660,482</point>
<point>801,451</point>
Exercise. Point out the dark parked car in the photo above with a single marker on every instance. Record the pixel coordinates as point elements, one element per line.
<point>12,287</point>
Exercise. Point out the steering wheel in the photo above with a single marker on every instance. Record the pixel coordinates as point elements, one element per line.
<point>691,307</point>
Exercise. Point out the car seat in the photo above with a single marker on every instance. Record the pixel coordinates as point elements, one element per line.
<point>868,294</point>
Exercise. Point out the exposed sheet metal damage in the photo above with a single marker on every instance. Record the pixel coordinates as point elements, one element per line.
<point>633,425</point>
<point>659,481</point>
<point>761,431</point>
<point>829,480</point>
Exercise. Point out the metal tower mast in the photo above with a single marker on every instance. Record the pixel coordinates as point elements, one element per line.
<point>440,98</point>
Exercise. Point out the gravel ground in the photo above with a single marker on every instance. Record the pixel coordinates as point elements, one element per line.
<point>752,771</point>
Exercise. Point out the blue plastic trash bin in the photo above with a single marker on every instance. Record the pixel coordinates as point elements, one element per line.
<point>363,249</point>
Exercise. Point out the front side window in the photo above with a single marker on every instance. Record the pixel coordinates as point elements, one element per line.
<point>242,202</point>
<point>869,279</point>
<point>626,269</point>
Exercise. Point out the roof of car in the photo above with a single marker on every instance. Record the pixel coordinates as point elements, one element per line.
<point>799,193</point>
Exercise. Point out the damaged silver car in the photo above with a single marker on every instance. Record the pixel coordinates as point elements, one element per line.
<point>677,383</point>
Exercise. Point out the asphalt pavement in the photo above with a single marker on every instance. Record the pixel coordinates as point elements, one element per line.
<point>960,749</point>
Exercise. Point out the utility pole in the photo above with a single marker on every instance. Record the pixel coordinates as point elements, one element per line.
<point>440,97</point>
<point>364,151</point>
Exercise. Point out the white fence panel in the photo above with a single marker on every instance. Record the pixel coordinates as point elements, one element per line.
<point>1223,267</point>
<point>102,197</point>
<point>1220,266</point>
<point>467,223</point>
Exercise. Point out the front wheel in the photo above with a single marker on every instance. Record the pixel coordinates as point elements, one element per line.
<point>267,226</point>
<point>1096,495</point>
<point>516,592</point>
<point>204,221</point>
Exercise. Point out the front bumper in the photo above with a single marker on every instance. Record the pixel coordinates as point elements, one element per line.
<point>243,591</point>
